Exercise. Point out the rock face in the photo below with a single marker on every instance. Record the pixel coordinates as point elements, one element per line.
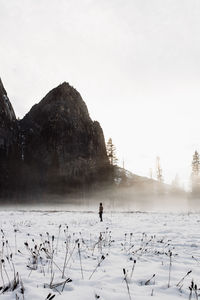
<point>7,119</point>
<point>8,141</point>
<point>58,148</point>
<point>63,146</point>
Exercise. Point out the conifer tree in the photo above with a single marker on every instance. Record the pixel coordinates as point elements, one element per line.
<point>111,152</point>
<point>159,170</point>
<point>195,173</point>
<point>195,164</point>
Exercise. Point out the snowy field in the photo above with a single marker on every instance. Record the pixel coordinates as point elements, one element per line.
<point>71,255</point>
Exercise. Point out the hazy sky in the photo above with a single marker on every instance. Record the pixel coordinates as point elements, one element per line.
<point>136,64</point>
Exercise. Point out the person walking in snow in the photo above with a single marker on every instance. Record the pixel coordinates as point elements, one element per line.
<point>100,212</point>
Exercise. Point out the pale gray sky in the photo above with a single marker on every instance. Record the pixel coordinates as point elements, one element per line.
<point>136,64</point>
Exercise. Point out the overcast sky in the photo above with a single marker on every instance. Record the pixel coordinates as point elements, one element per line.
<point>136,64</point>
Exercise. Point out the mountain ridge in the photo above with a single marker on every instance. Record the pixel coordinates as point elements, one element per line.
<point>58,146</point>
<point>58,149</point>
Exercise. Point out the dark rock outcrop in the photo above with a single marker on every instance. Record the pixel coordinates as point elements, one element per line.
<point>9,153</point>
<point>63,146</point>
<point>7,119</point>
<point>57,147</point>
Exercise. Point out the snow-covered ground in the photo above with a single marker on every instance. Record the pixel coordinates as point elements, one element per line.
<point>35,246</point>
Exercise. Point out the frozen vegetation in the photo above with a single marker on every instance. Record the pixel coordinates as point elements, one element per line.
<point>71,255</point>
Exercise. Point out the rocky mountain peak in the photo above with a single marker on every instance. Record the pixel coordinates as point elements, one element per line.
<point>2,90</point>
<point>55,147</point>
<point>7,114</point>
<point>62,103</point>
<point>61,140</point>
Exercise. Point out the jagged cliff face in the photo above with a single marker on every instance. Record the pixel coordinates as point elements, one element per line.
<point>9,153</point>
<point>58,147</point>
<point>61,140</point>
<point>7,118</point>
<point>6,112</point>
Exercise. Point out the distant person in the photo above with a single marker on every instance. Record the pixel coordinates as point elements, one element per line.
<point>101,212</point>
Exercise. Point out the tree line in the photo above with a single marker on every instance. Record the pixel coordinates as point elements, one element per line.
<point>195,175</point>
